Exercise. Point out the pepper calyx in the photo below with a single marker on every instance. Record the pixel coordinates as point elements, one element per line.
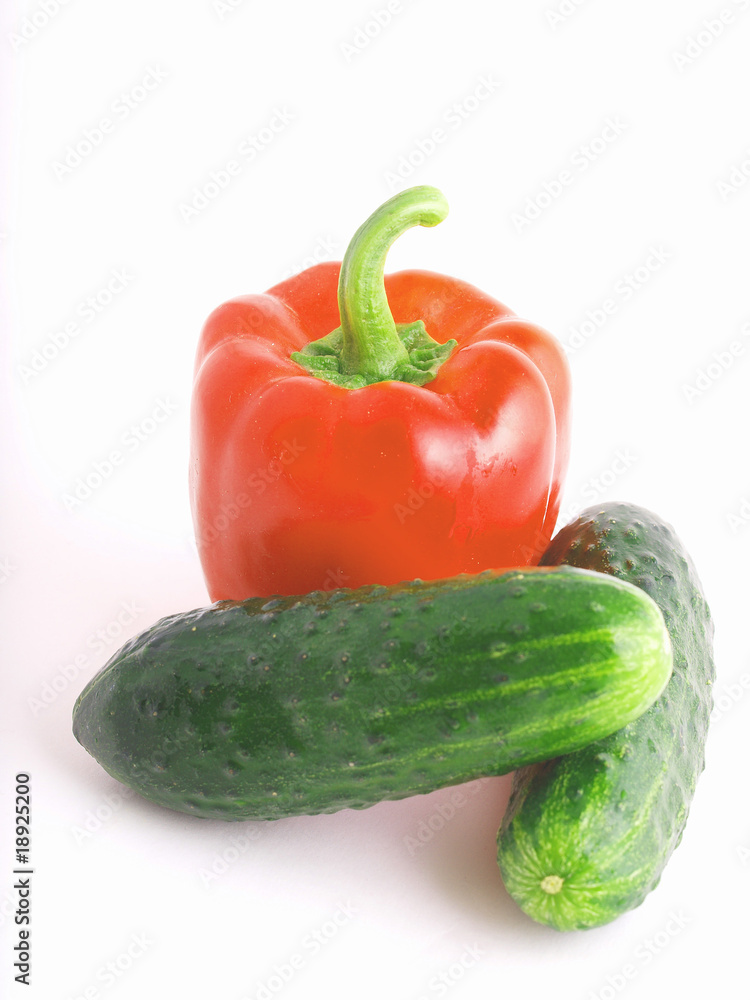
<point>424,356</point>
<point>369,346</point>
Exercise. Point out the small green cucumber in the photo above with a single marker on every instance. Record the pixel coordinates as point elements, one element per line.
<point>298,705</point>
<point>586,836</point>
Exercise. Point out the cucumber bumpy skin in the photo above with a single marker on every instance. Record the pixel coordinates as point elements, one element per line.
<point>298,705</point>
<point>586,837</point>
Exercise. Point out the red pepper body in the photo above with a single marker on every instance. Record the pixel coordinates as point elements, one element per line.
<point>298,484</point>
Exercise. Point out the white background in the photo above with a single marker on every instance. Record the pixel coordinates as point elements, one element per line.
<point>119,881</point>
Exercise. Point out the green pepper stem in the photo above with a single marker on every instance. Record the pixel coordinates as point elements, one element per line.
<point>371,345</point>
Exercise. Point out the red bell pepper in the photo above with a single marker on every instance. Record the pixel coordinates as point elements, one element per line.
<point>350,429</point>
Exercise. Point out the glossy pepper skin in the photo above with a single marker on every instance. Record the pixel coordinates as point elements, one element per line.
<point>421,463</point>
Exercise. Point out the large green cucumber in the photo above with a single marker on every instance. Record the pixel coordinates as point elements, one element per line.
<point>586,836</point>
<point>298,705</point>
